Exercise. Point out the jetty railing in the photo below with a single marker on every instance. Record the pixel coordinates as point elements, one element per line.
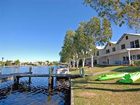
<point>51,75</point>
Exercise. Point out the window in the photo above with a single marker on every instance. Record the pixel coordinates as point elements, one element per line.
<point>134,57</point>
<point>97,53</point>
<point>124,59</point>
<point>109,44</point>
<point>127,58</point>
<point>138,57</point>
<point>134,44</point>
<point>123,46</point>
<point>113,49</point>
<point>126,37</point>
<point>137,44</point>
<point>107,51</point>
<point>131,57</point>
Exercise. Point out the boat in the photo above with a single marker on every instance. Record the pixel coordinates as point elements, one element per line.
<point>62,70</point>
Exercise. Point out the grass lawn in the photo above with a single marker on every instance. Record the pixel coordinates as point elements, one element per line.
<point>88,91</point>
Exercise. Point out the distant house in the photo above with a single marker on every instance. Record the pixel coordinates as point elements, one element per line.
<point>124,51</point>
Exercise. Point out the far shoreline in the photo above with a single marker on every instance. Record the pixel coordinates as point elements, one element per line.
<point>16,66</point>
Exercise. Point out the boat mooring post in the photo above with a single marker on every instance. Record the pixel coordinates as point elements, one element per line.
<point>16,80</point>
<point>82,73</point>
<point>50,81</point>
<point>30,71</point>
<point>0,70</point>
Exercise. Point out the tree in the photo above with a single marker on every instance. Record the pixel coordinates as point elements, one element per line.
<point>120,11</point>
<point>68,49</point>
<point>98,34</point>
<point>55,63</point>
<point>81,42</point>
<point>2,63</point>
<point>17,62</point>
<point>47,62</point>
<point>40,62</point>
<point>2,59</point>
<point>106,31</point>
<point>8,63</point>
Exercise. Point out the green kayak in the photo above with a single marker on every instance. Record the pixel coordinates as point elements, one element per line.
<point>130,78</point>
<point>110,76</point>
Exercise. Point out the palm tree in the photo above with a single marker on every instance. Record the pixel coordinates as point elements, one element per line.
<point>2,58</point>
<point>2,61</point>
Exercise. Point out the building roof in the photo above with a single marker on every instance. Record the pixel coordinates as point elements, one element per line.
<point>100,47</point>
<point>116,42</point>
<point>113,42</point>
<point>109,42</point>
<point>130,34</point>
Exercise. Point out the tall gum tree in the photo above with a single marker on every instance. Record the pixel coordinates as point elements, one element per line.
<point>67,49</point>
<point>82,43</point>
<point>99,32</point>
<point>81,40</point>
<point>119,11</point>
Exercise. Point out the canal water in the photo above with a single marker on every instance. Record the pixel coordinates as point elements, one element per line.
<point>34,93</point>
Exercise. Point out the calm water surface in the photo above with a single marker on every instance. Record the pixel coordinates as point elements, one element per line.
<point>36,93</point>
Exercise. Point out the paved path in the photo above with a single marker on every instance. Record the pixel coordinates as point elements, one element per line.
<point>94,74</point>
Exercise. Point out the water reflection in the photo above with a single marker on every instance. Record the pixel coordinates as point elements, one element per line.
<point>9,70</point>
<point>24,94</point>
<point>35,93</point>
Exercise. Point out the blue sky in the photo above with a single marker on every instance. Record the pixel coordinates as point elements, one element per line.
<point>32,30</point>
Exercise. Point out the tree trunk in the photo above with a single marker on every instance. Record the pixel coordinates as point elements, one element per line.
<point>77,64</point>
<point>73,63</point>
<point>69,63</point>
<point>83,62</point>
<point>92,65</point>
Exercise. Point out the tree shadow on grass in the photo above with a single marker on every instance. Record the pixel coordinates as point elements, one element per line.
<point>127,69</point>
<point>106,89</point>
<point>105,83</point>
<point>103,66</point>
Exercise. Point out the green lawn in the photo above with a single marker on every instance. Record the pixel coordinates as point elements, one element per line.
<point>88,91</point>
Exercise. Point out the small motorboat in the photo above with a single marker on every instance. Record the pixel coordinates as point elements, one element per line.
<point>62,70</point>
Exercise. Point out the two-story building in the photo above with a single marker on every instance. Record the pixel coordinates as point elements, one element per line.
<point>124,51</point>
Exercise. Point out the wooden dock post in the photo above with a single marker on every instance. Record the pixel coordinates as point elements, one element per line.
<point>16,80</point>
<point>30,71</point>
<point>0,70</point>
<point>50,81</point>
<point>82,73</point>
<point>30,80</point>
<point>52,78</point>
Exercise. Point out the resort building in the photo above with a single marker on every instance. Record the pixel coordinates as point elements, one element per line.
<point>124,51</point>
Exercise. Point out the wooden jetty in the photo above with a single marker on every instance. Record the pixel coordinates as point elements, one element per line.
<point>7,77</point>
<point>72,76</point>
<point>17,76</point>
<point>13,76</point>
